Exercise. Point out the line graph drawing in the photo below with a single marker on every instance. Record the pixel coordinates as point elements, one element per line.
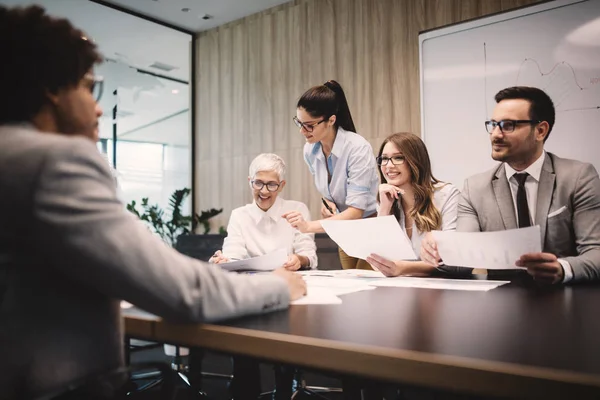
<point>560,81</point>
<point>539,68</point>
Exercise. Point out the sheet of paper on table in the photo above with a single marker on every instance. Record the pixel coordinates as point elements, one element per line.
<point>318,295</point>
<point>489,250</point>
<point>437,283</point>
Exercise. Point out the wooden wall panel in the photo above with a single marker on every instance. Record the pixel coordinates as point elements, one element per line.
<point>251,73</point>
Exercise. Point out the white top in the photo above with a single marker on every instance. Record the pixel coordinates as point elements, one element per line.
<point>253,232</point>
<point>531,189</point>
<point>445,199</point>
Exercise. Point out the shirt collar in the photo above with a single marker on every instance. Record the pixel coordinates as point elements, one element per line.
<point>338,145</point>
<point>535,169</point>
<point>273,213</point>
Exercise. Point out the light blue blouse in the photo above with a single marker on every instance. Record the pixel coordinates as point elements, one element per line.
<point>354,180</point>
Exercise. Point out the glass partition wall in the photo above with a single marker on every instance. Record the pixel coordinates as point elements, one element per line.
<point>145,132</point>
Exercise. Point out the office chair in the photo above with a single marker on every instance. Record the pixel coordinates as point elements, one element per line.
<point>110,385</point>
<point>301,390</point>
<point>155,378</point>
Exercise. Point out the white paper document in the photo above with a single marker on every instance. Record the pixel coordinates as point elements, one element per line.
<point>343,273</point>
<point>435,283</point>
<point>267,262</point>
<point>338,286</point>
<point>489,250</point>
<point>362,237</point>
<point>318,295</point>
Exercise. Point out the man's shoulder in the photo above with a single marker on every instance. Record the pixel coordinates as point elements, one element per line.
<point>567,166</point>
<point>483,178</point>
<point>29,148</point>
<point>23,137</point>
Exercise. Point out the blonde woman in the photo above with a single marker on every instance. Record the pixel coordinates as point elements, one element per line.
<point>411,193</point>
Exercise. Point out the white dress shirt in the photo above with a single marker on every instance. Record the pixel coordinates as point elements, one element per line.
<point>253,232</point>
<point>445,199</point>
<point>531,189</point>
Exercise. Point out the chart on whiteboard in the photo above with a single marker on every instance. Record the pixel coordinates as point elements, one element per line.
<point>463,67</point>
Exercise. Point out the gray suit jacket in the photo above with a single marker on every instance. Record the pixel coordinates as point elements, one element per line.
<point>567,210</point>
<point>69,252</point>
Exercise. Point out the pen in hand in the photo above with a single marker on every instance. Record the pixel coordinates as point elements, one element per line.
<point>327,206</point>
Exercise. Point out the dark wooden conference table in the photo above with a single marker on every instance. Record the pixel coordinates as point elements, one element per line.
<point>518,341</point>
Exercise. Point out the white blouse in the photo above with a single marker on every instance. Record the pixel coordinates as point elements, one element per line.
<point>445,198</point>
<point>252,232</point>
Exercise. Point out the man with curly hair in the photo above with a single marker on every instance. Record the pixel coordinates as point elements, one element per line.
<point>69,251</point>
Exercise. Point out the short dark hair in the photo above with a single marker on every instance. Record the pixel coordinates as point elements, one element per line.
<point>326,100</point>
<point>541,107</point>
<point>43,54</point>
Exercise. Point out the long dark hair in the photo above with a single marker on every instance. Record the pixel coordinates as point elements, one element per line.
<point>326,100</point>
<point>426,216</point>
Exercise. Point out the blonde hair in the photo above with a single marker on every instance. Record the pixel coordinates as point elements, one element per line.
<point>425,214</point>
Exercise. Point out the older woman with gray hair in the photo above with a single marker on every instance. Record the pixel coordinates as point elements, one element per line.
<point>258,228</point>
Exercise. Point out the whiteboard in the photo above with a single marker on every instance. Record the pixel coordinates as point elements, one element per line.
<point>554,46</point>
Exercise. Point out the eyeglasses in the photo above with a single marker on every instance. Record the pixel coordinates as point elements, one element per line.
<point>96,86</point>
<point>396,160</point>
<point>307,127</point>
<point>271,186</point>
<point>507,125</point>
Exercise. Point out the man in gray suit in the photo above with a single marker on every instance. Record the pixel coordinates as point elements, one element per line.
<point>69,249</point>
<point>532,186</point>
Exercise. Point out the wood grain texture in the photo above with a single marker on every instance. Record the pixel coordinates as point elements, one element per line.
<point>251,73</point>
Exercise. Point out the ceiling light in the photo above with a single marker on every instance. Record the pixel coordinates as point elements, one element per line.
<point>174,91</point>
<point>185,9</point>
<point>206,16</point>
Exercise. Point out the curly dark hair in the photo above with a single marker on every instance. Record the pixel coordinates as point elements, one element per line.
<point>42,54</point>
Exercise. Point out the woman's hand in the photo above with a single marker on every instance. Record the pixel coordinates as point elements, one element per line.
<point>297,221</point>
<point>387,195</point>
<point>397,268</point>
<point>293,263</point>
<point>218,258</point>
<point>325,213</point>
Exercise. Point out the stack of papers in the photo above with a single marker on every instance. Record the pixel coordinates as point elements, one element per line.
<point>436,283</point>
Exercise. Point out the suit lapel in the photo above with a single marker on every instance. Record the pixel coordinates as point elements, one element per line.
<point>544,195</point>
<point>504,198</point>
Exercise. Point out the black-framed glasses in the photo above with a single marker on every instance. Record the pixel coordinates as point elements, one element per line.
<point>396,160</point>
<point>307,127</point>
<point>507,125</point>
<point>271,186</point>
<point>96,86</point>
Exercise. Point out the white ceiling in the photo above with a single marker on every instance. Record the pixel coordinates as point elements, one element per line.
<point>222,11</point>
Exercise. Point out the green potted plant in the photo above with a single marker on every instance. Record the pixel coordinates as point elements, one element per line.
<point>176,229</point>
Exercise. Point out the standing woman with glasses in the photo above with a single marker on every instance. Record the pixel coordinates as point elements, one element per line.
<point>341,162</point>
<point>411,193</point>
